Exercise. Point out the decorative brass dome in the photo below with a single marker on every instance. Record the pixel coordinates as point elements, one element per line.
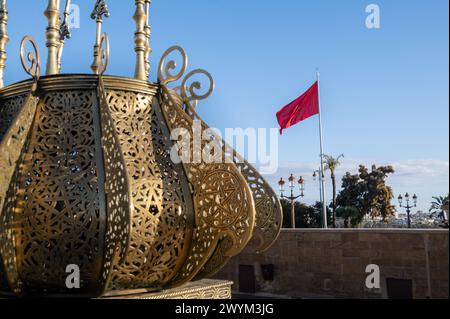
<point>87,179</point>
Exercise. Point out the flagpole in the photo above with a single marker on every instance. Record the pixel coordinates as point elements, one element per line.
<point>322,172</point>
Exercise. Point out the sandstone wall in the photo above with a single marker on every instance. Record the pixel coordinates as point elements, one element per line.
<point>332,263</point>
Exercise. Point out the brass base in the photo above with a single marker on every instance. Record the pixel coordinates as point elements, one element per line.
<point>202,289</point>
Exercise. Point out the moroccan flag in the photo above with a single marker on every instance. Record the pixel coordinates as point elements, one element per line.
<point>300,109</point>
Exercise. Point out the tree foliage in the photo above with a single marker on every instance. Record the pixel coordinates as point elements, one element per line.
<point>366,193</point>
<point>439,208</point>
<point>331,164</point>
<point>306,216</point>
<point>351,215</point>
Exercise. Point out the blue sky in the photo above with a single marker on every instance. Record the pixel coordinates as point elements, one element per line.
<point>384,92</point>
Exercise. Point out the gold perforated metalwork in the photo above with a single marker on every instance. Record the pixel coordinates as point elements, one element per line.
<point>59,217</point>
<point>91,182</point>
<point>268,208</point>
<point>117,191</point>
<point>162,219</point>
<point>89,178</point>
<point>8,110</point>
<point>12,144</point>
<point>224,206</point>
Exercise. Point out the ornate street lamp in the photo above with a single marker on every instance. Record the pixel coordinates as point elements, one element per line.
<point>408,206</point>
<point>292,198</point>
<point>319,177</point>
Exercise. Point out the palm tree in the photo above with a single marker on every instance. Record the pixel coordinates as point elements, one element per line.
<point>331,164</point>
<point>439,207</point>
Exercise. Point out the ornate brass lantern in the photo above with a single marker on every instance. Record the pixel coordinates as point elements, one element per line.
<point>87,178</point>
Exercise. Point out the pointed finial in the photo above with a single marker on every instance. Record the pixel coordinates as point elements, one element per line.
<point>64,30</point>
<point>4,38</point>
<point>64,33</point>
<point>100,11</point>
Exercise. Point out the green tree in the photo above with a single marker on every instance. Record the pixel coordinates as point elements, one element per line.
<point>439,207</point>
<point>319,211</point>
<point>331,164</point>
<point>351,215</point>
<point>306,216</point>
<point>367,193</point>
<point>378,196</point>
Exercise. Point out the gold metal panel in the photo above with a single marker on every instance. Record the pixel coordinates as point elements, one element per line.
<point>58,215</point>
<point>12,145</point>
<point>87,176</point>
<point>162,218</point>
<point>117,191</point>
<point>223,203</point>
<point>97,187</point>
<point>9,108</point>
<point>269,214</point>
<point>78,81</point>
<point>268,208</point>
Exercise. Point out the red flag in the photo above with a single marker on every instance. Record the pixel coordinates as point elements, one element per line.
<point>300,109</point>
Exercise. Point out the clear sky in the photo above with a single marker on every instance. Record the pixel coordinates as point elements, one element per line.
<point>384,91</point>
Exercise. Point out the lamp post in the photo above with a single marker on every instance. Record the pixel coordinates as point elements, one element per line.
<point>292,198</point>
<point>319,177</point>
<point>408,206</point>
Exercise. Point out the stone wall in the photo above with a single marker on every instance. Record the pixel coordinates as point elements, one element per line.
<point>332,263</point>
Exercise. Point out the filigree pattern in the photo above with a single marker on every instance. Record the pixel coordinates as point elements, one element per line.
<point>117,189</point>
<point>12,145</point>
<point>223,203</point>
<point>94,185</point>
<point>269,218</point>
<point>204,289</point>
<point>58,212</point>
<point>269,214</point>
<point>8,111</point>
<point>162,219</point>
<point>268,209</point>
<point>217,261</point>
<point>11,148</point>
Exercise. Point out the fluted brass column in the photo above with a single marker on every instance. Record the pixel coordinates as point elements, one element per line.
<point>52,35</point>
<point>148,31</point>
<point>140,40</point>
<point>4,38</point>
